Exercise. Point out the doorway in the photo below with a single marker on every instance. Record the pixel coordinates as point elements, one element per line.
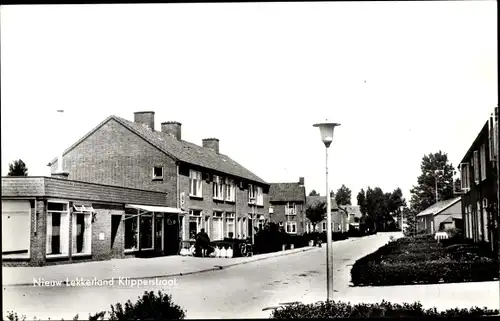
<point>171,235</point>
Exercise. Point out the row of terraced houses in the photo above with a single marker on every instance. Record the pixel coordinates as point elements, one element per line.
<point>475,209</point>
<point>126,189</point>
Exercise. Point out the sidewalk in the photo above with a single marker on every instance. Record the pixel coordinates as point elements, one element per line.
<point>133,268</point>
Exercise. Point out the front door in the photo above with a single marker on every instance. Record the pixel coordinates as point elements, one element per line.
<point>159,232</point>
<point>171,235</point>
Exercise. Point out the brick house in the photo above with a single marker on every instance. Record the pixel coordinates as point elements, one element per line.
<point>220,195</point>
<point>353,214</point>
<point>479,178</point>
<point>288,201</point>
<point>48,220</point>
<point>339,216</point>
<point>440,216</point>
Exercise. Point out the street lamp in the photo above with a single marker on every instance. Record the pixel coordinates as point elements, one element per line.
<point>435,174</point>
<point>326,130</point>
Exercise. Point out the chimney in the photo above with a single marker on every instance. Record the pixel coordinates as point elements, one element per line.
<point>301,181</point>
<point>172,128</point>
<point>145,118</point>
<point>211,143</point>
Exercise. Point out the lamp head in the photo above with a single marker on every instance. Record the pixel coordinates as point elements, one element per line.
<point>326,131</point>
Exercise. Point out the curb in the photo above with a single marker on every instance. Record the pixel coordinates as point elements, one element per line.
<point>215,268</point>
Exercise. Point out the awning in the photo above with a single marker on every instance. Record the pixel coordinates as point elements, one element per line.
<point>159,209</point>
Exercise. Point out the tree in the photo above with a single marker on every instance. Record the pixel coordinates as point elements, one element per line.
<point>434,167</point>
<point>313,193</point>
<point>316,212</point>
<point>343,196</point>
<point>332,194</point>
<point>410,216</point>
<point>458,186</point>
<point>362,201</point>
<point>18,168</point>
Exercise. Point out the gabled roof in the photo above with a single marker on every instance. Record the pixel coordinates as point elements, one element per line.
<point>313,199</point>
<point>352,209</point>
<point>438,207</point>
<point>182,151</point>
<point>480,136</point>
<point>287,192</point>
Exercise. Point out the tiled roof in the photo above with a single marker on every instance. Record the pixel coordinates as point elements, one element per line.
<point>352,209</point>
<point>438,207</point>
<point>286,192</point>
<point>313,199</point>
<point>184,151</point>
<point>32,186</point>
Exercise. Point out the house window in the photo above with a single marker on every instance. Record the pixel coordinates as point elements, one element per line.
<point>195,183</point>
<point>230,230</point>
<point>465,176</point>
<point>158,172</point>
<point>485,220</point>
<point>476,167</point>
<point>239,228</point>
<point>469,219</point>
<point>252,195</point>
<point>194,223</point>
<point>82,231</point>
<point>217,227</point>
<point>324,226</point>
<point>217,188</point>
<point>261,223</point>
<point>291,227</point>
<point>131,232</point>
<point>230,188</point>
<point>57,228</point>
<point>483,162</point>
<point>479,220</point>
<point>290,209</point>
<point>260,196</point>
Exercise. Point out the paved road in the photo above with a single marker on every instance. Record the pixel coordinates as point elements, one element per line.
<point>236,292</point>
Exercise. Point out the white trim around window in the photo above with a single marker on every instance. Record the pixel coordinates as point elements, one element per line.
<point>195,184</point>
<point>81,233</point>
<point>218,188</point>
<point>158,173</point>
<point>57,237</point>
<point>291,227</point>
<point>230,190</point>
<point>483,161</point>
<point>260,196</point>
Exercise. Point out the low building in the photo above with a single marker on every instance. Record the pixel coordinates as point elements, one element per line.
<point>354,215</point>
<point>479,178</point>
<point>49,220</point>
<point>288,202</point>
<point>440,216</point>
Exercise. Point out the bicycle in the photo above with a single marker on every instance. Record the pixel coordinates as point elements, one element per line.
<point>246,249</point>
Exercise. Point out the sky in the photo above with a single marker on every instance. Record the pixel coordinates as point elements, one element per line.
<point>404,79</point>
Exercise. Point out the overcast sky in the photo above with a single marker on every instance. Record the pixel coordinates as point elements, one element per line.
<point>403,78</point>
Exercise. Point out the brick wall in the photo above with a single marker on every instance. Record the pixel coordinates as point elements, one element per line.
<point>114,155</point>
<point>208,205</point>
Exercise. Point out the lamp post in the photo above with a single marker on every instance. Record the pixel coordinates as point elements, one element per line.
<point>326,130</point>
<point>435,174</point>
<point>60,160</point>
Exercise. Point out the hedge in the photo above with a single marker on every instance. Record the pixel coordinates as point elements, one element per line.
<point>403,262</point>
<point>333,309</point>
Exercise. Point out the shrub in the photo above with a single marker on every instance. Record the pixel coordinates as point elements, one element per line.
<point>333,309</point>
<point>149,307</point>
<point>270,239</point>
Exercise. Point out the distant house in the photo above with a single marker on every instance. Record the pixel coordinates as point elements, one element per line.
<point>219,194</point>
<point>287,203</point>
<point>340,216</point>
<point>480,186</point>
<point>354,214</point>
<point>440,216</point>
